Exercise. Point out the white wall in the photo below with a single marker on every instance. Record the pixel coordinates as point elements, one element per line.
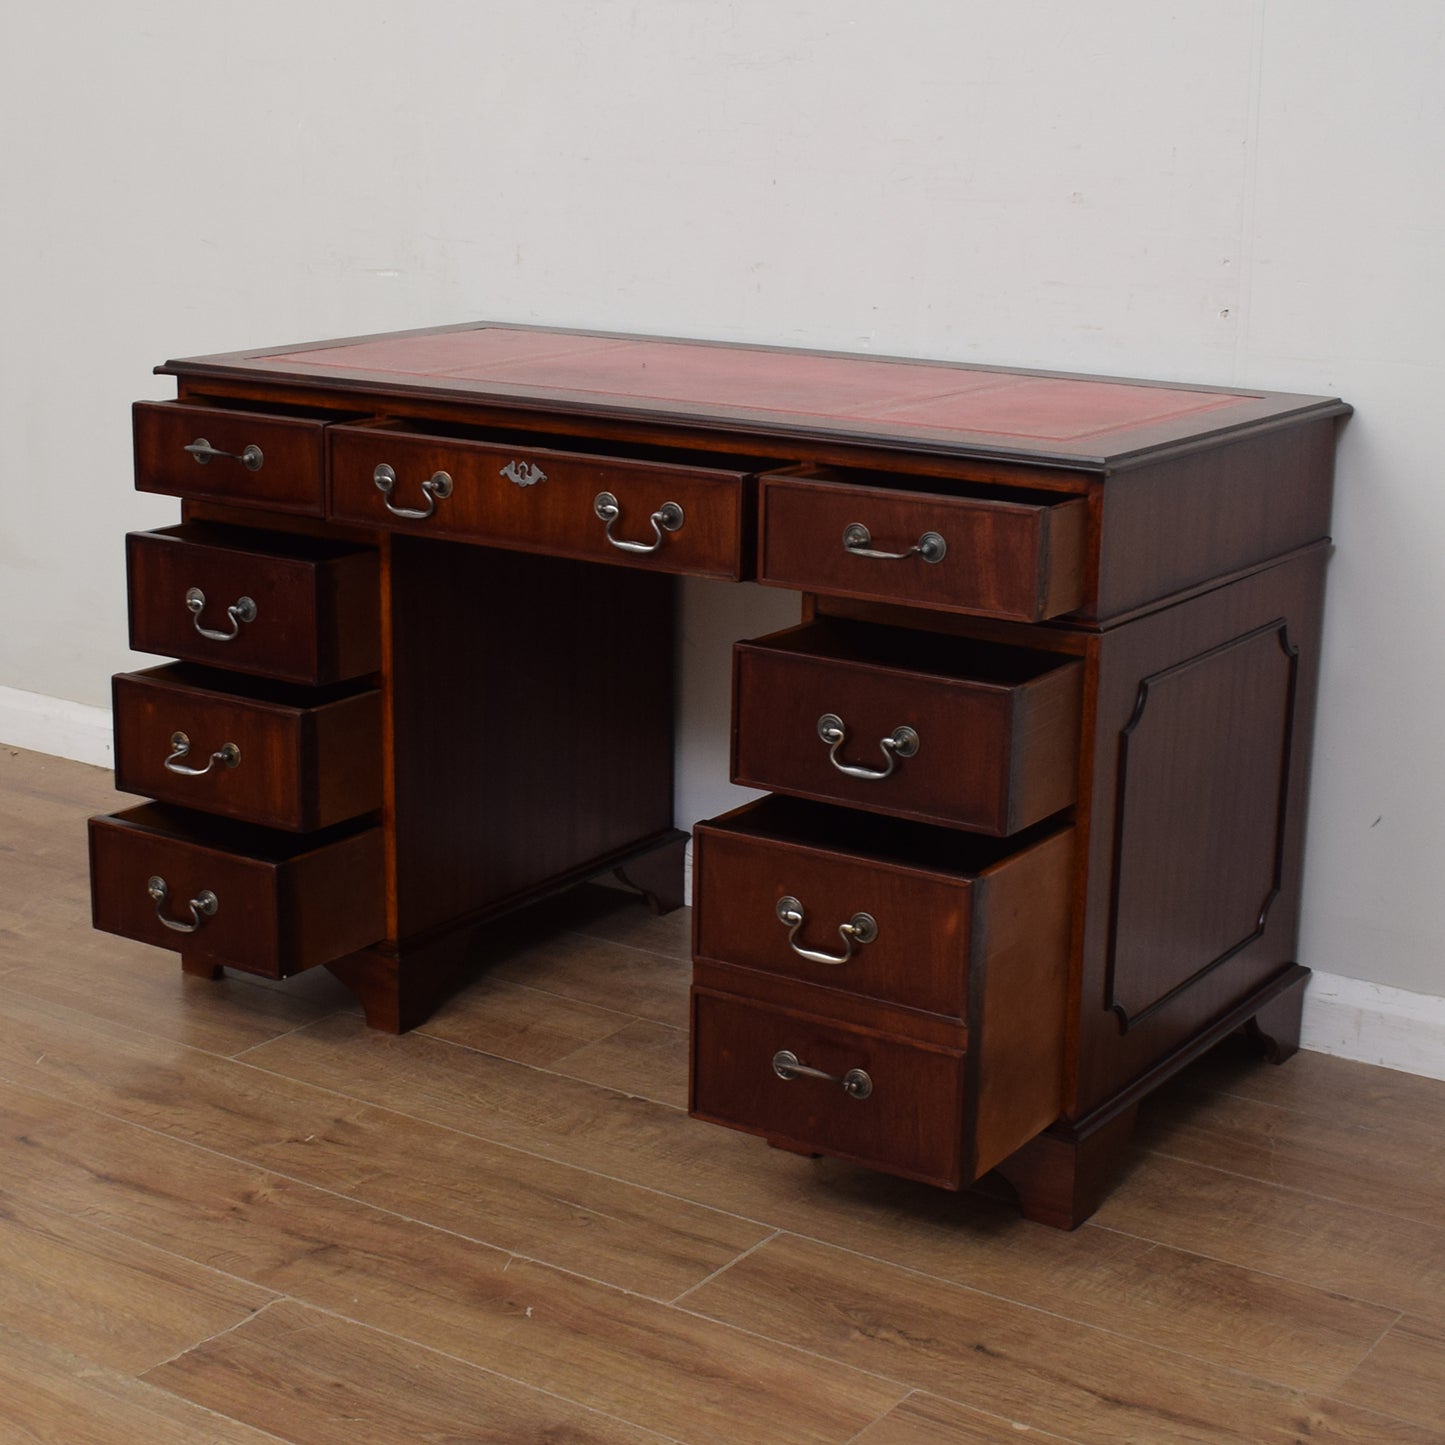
<point>1225,191</point>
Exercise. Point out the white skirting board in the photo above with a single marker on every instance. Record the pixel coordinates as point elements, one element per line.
<point>1375,1024</point>
<point>52,725</point>
<point>1345,1016</point>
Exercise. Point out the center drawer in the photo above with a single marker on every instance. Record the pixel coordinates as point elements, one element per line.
<point>243,747</point>
<point>672,511</point>
<point>940,729</point>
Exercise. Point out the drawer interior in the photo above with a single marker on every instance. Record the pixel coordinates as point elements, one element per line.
<point>574,446</point>
<point>248,687</point>
<point>874,837</point>
<point>223,835</point>
<point>991,490</point>
<point>295,546</point>
<point>966,659</point>
<point>294,410</point>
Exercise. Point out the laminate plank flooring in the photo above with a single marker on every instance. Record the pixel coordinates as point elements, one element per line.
<point>230,1212</point>
<point>297,1372</point>
<point>1402,1373</point>
<point>50,1396</point>
<point>122,1303</point>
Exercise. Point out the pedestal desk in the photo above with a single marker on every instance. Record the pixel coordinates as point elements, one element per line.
<point>1035,760</point>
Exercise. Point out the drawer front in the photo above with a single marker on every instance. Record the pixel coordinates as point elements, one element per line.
<point>669,517</point>
<point>994,756</point>
<point>284,607</point>
<point>996,558</point>
<point>862,925</point>
<point>244,458</point>
<point>236,898</point>
<point>911,1121</point>
<point>256,755</point>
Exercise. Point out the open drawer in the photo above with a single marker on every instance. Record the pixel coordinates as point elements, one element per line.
<point>996,552</point>
<point>273,458</point>
<point>302,609</point>
<point>920,725</point>
<point>878,909</point>
<point>243,897</point>
<point>248,748</point>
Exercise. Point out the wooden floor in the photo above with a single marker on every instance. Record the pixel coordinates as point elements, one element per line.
<point>229,1212</point>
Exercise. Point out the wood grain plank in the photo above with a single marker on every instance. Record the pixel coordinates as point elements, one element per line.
<point>924,1419</point>
<point>128,983</point>
<point>1387,1260</point>
<point>1297,1335</point>
<point>605,974</point>
<point>670,1370</point>
<point>1405,1375</point>
<point>1321,1086</point>
<point>519,1023</point>
<point>305,1375</point>
<point>121,1303</point>
<point>51,1396</point>
<point>31,782</point>
<point>616,1134</point>
<point>646,1059</point>
<point>1031,1366</point>
<point>633,1237</point>
<point>1379,1157</point>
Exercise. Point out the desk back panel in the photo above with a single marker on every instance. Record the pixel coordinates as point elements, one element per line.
<point>532,727</point>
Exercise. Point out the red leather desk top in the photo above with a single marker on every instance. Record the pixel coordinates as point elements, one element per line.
<point>955,408</point>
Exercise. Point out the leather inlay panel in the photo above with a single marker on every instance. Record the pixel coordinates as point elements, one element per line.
<point>943,398</point>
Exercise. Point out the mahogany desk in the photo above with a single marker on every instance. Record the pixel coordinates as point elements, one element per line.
<point>1036,760</point>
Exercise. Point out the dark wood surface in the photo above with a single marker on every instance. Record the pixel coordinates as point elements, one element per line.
<point>290,475</point>
<point>306,758</point>
<point>1019,1004</point>
<point>997,730</point>
<point>972,954</point>
<point>284,903</point>
<point>1172,933</point>
<point>911,1124</point>
<point>836,864</point>
<point>742,867</point>
<point>316,601</point>
<point>556,514</point>
<point>532,726</point>
<point>1005,557</point>
<point>1173,522</point>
